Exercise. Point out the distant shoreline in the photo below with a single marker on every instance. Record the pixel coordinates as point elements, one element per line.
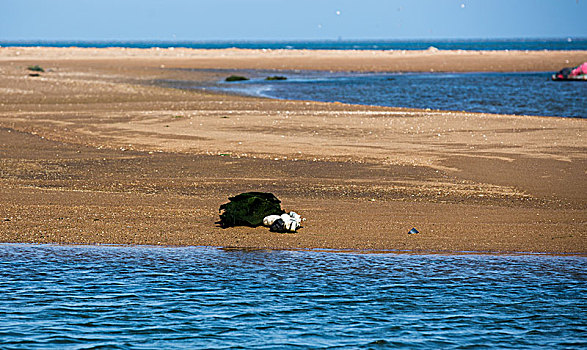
<point>431,60</point>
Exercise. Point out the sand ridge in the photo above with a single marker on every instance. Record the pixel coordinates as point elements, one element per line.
<point>336,60</point>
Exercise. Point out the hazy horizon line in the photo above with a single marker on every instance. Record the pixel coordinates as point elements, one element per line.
<point>553,38</point>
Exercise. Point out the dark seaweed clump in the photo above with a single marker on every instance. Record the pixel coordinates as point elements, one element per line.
<point>249,209</point>
<point>236,78</point>
<point>35,68</point>
<point>276,77</point>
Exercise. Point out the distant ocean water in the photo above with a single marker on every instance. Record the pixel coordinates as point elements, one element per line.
<point>490,44</point>
<point>82,297</point>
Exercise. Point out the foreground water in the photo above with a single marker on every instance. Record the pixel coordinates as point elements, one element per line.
<point>501,93</point>
<point>147,297</point>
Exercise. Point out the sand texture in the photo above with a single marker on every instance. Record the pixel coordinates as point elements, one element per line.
<point>94,151</point>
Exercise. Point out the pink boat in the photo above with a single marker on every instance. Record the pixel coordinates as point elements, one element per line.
<point>578,73</point>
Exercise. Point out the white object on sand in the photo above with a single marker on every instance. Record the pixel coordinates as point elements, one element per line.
<point>291,221</point>
<point>269,220</point>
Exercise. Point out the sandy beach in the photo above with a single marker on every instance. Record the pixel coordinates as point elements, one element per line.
<point>93,151</point>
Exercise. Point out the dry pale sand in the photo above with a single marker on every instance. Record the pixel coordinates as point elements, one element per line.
<point>93,151</point>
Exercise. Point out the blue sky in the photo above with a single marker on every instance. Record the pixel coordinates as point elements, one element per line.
<point>200,20</point>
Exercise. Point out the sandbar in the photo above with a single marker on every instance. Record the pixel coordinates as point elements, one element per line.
<point>94,151</point>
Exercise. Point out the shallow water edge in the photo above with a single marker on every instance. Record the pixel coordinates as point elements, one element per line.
<point>310,250</point>
<point>524,94</point>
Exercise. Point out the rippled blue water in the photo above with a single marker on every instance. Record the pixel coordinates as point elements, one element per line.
<point>502,93</point>
<point>148,297</point>
<point>492,44</point>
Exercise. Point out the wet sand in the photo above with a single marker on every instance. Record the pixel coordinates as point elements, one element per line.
<point>93,151</point>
